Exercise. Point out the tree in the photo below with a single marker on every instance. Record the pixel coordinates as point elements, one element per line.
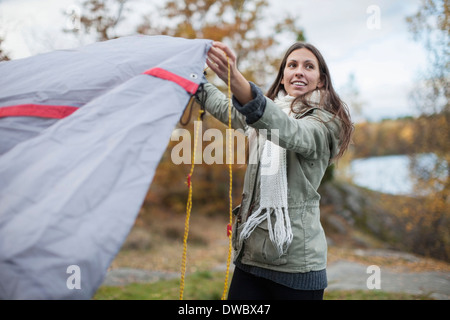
<point>431,26</point>
<point>100,17</point>
<point>352,96</point>
<point>239,23</point>
<point>3,55</point>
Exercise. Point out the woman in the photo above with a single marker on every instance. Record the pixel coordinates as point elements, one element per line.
<point>295,132</point>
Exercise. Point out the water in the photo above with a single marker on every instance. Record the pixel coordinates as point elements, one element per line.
<point>390,174</point>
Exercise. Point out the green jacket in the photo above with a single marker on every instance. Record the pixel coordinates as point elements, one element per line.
<point>311,140</point>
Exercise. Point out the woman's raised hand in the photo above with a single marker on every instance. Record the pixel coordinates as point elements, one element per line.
<point>218,62</point>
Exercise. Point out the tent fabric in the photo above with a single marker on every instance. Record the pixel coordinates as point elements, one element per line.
<point>71,187</point>
<point>72,78</point>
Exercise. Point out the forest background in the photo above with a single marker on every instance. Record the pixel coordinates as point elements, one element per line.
<point>419,222</point>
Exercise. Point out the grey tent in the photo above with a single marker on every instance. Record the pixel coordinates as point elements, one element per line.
<point>81,134</point>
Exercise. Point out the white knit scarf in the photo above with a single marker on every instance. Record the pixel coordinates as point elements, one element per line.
<point>273,206</point>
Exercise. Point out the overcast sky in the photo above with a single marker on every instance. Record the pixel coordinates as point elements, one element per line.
<point>367,38</point>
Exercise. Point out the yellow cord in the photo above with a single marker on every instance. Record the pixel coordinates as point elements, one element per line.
<point>189,202</point>
<point>230,149</point>
<point>188,211</point>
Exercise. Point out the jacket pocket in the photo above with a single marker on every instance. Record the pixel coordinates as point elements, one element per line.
<point>259,247</point>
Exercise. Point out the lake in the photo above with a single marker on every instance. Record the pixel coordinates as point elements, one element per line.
<point>389,174</point>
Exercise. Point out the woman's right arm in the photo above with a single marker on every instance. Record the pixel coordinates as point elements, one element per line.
<point>216,103</point>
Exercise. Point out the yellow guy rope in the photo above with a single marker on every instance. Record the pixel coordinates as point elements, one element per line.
<point>230,154</point>
<point>188,210</point>
<point>189,202</point>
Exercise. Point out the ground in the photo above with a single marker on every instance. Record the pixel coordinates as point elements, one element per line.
<point>154,247</point>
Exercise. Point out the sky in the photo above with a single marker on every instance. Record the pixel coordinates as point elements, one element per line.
<point>368,39</point>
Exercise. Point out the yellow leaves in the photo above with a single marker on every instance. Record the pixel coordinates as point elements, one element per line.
<point>236,22</point>
<point>425,221</point>
<point>217,31</point>
<point>186,30</point>
<point>407,134</point>
<point>409,226</point>
<point>403,136</point>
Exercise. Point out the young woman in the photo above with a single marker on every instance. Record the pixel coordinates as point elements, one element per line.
<point>280,250</point>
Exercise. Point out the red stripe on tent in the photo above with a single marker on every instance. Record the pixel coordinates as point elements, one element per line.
<point>37,110</point>
<point>187,85</point>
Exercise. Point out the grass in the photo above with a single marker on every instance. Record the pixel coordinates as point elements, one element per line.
<point>207,285</point>
<point>155,243</point>
<point>202,285</point>
<point>372,295</point>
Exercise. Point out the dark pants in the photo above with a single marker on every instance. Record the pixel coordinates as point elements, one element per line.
<point>245,286</point>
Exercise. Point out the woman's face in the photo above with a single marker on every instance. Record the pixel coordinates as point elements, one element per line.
<point>301,74</point>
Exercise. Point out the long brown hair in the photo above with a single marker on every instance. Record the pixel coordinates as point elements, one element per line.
<point>330,102</point>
